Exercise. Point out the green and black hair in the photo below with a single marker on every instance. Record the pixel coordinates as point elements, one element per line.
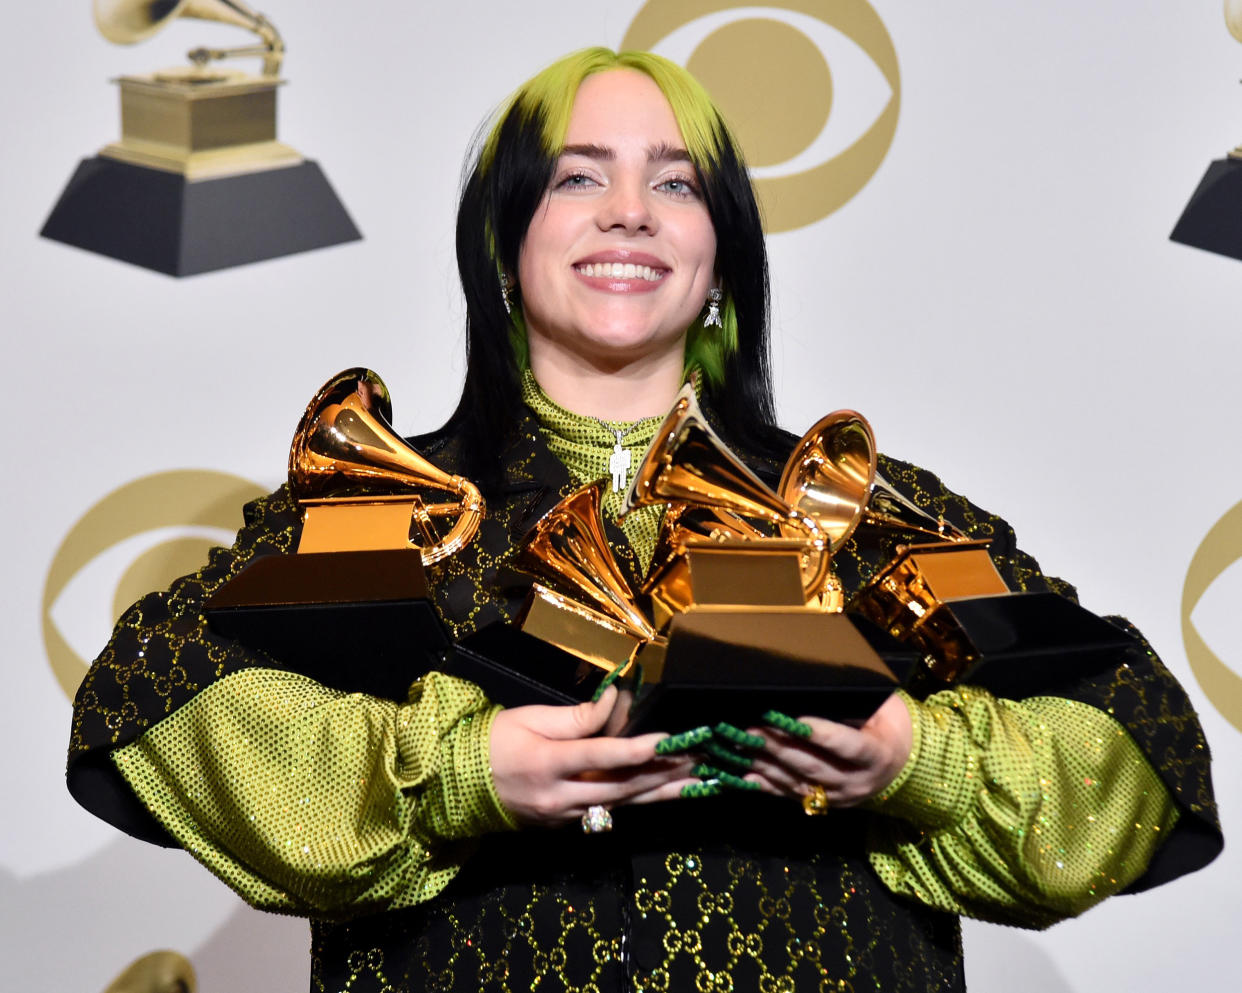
<point>508,180</point>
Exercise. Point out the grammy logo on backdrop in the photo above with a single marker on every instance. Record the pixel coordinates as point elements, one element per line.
<point>197,181</point>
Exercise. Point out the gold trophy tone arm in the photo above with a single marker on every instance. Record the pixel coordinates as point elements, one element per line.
<point>129,21</point>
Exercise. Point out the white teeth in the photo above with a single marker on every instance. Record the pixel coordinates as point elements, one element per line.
<point>621,270</point>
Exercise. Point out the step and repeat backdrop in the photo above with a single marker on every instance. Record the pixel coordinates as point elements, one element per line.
<point>968,206</point>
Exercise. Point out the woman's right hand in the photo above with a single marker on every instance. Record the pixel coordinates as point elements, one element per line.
<point>548,766</point>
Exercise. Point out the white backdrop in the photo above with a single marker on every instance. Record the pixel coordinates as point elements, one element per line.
<point>1001,300</point>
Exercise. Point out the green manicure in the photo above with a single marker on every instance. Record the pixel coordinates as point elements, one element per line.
<point>710,788</point>
<point>740,737</point>
<point>684,742</point>
<point>727,755</point>
<point>605,683</point>
<point>786,723</point>
<point>710,774</point>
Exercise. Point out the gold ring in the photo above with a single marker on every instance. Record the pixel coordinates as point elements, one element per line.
<point>815,803</point>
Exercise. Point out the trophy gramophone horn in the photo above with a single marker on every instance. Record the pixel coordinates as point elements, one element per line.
<point>688,463</point>
<point>569,551</point>
<point>831,476</point>
<point>128,21</point>
<point>345,442</point>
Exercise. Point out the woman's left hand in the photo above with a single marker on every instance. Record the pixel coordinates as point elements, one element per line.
<point>849,764</point>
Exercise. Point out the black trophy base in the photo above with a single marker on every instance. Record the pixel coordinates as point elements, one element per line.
<point>162,221</point>
<point>734,666</point>
<point>355,621</point>
<point>1212,219</point>
<point>1030,644</point>
<point>515,668</point>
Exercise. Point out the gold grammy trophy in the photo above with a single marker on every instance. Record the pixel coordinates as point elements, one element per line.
<point>198,180</point>
<point>739,584</point>
<point>350,606</point>
<point>580,620</point>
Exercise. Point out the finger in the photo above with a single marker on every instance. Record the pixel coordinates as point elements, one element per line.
<point>778,777</point>
<point>578,758</point>
<point>610,793</point>
<point>665,791</point>
<point>578,721</point>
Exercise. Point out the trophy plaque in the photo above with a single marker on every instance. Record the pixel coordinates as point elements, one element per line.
<point>350,607</point>
<point>198,180</point>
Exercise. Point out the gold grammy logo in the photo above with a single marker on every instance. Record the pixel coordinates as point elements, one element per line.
<point>792,84</point>
<point>149,531</point>
<point>1218,551</point>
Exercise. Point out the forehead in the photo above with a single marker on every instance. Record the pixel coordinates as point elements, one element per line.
<point>622,107</point>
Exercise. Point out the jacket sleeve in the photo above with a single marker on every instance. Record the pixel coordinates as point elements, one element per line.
<point>172,741</point>
<point>1020,812</point>
<point>1028,811</point>
<point>309,800</point>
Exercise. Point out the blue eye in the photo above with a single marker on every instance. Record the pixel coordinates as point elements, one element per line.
<point>575,181</point>
<point>681,188</point>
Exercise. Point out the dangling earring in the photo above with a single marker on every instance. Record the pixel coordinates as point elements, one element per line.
<point>712,318</point>
<point>504,293</point>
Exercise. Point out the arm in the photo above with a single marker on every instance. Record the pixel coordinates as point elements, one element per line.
<point>981,793</point>
<point>304,799</point>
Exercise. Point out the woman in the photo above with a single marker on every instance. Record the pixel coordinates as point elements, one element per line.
<point>609,246</point>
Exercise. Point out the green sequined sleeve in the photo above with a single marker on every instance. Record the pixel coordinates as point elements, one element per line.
<point>1019,812</point>
<point>308,800</point>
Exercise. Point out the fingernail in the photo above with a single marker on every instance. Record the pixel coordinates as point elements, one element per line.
<point>683,742</point>
<point>740,737</point>
<point>786,723</point>
<point>709,788</point>
<point>737,782</point>
<point>605,683</point>
<point>727,755</point>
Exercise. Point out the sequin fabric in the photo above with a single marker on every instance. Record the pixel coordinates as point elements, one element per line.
<point>715,894</point>
<point>585,446</point>
<point>306,800</point>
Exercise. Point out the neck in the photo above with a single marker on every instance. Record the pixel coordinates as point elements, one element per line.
<point>627,391</point>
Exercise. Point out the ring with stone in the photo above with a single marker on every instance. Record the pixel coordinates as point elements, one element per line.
<point>596,820</point>
<point>815,802</point>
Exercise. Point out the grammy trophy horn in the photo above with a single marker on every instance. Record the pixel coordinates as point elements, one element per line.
<point>128,21</point>
<point>688,463</point>
<point>568,550</point>
<point>832,476</point>
<point>345,453</point>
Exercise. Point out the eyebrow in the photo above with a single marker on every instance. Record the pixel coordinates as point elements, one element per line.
<point>663,152</point>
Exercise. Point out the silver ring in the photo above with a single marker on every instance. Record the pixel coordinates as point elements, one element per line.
<point>596,820</point>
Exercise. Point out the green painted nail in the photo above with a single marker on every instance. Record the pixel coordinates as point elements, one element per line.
<point>605,683</point>
<point>727,755</point>
<point>709,788</point>
<point>786,723</point>
<point>737,782</point>
<point>738,736</point>
<point>683,742</point>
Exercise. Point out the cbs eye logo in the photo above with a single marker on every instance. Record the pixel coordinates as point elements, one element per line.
<point>138,538</point>
<point>810,89</point>
<point>1219,551</point>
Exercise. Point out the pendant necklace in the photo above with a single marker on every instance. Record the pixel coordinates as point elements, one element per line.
<point>619,462</point>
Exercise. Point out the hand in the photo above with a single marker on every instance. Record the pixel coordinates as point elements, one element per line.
<point>548,767</point>
<point>850,764</point>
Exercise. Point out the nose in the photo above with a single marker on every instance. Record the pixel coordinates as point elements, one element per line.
<point>627,208</point>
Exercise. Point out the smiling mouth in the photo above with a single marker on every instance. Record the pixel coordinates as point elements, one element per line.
<point>620,270</point>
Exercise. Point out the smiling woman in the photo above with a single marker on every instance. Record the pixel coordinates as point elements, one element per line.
<point>610,249</point>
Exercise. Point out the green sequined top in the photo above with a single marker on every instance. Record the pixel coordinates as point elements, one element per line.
<point>308,800</point>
